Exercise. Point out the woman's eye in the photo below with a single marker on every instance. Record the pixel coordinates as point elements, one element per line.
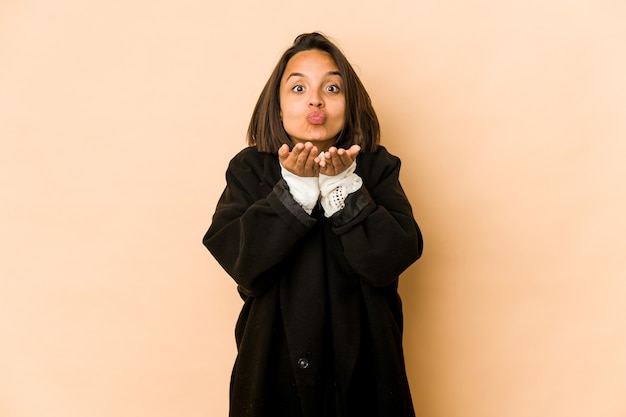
<point>298,88</point>
<point>332,88</point>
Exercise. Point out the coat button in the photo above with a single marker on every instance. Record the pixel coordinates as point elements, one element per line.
<point>303,363</point>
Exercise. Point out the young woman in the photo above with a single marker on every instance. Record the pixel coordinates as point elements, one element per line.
<point>315,229</point>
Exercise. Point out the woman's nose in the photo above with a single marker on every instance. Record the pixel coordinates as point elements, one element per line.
<point>315,100</point>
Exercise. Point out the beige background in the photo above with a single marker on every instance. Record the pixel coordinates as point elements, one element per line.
<point>117,121</point>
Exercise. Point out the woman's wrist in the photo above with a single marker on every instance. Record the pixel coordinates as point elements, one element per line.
<point>335,189</point>
<point>305,190</point>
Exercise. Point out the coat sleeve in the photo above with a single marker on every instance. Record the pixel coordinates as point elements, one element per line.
<point>252,233</point>
<point>376,227</point>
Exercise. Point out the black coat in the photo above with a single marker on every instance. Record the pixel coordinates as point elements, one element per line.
<point>320,332</point>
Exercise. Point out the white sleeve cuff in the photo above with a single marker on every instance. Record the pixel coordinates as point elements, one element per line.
<point>335,189</point>
<point>305,190</point>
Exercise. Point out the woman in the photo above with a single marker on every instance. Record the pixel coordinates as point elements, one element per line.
<point>315,229</point>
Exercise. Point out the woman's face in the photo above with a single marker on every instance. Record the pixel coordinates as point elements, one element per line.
<point>312,100</point>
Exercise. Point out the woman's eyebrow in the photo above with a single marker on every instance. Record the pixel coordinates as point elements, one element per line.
<point>295,74</point>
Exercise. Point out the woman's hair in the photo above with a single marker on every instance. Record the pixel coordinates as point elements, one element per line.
<point>361,126</point>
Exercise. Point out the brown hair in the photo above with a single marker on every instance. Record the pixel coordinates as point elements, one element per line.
<point>361,126</point>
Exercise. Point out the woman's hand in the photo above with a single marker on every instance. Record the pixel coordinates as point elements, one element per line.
<point>336,161</point>
<point>301,161</point>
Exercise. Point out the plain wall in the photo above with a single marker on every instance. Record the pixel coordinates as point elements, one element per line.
<point>118,119</point>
